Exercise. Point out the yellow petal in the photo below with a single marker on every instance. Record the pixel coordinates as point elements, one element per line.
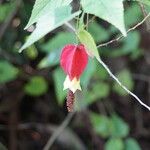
<point>72,85</point>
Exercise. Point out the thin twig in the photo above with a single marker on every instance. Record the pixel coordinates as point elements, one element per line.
<point>87,21</point>
<point>147,22</point>
<point>70,26</point>
<point>143,9</point>
<point>120,37</point>
<point>90,20</point>
<point>116,39</point>
<point>73,28</point>
<point>59,131</point>
<point>117,80</point>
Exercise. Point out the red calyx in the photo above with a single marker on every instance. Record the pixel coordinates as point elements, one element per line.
<point>73,60</point>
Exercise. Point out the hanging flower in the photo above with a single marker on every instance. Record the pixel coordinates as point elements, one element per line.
<point>73,60</point>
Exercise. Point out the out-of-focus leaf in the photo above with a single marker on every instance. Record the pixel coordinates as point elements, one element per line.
<point>130,46</point>
<point>59,41</point>
<point>114,144</point>
<point>101,72</point>
<point>50,60</point>
<point>100,124</point>
<point>126,78</point>
<point>131,43</point>
<point>7,72</point>
<point>98,32</point>
<point>138,53</point>
<point>118,127</point>
<point>59,78</point>
<point>44,25</point>
<point>32,52</point>
<point>37,86</point>
<point>97,92</point>
<point>102,90</point>
<point>5,10</point>
<point>2,147</point>
<point>107,10</point>
<point>131,144</point>
<point>133,15</point>
<point>88,73</point>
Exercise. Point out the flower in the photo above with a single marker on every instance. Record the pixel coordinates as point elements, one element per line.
<point>73,60</point>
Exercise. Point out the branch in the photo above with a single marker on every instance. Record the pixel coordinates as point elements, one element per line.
<point>58,131</point>
<point>120,37</point>
<point>117,80</point>
<point>147,22</point>
<point>70,26</point>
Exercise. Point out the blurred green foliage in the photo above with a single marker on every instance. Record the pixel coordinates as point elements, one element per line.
<point>101,124</point>
<point>131,144</point>
<point>2,147</point>
<point>37,86</point>
<point>7,71</point>
<point>114,144</point>
<point>59,78</point>
<point>5,11</point>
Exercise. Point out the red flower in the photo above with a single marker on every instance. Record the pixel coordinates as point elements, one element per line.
<point>73,60</point>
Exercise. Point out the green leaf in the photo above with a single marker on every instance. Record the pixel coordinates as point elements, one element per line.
<point>87,40</point>
<point>2,147</point>
<point>88,73</point>
<point>131,144</point>
<point>98,91</point>
<point>98,32</point>
<point>32,52</point>
<point>59,78</point>
<point>45,25</point>
<point>37,86</point>
<point>118,127</point>
<point>129,46</point>
<point>7,72</point>
<point>112,12</point>
<point>114,144</point>
<point>50,60</point>
<point>126,78</point>
<point>43,7</point>
<point>133,15</point>
<point>59,41</point>
<point>100,124</point>
<point>5,10</point>
<point>101,72</point>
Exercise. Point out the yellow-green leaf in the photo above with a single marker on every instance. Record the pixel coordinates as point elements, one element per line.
<point>87,40</point>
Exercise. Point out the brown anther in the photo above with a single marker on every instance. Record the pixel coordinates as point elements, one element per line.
<point>70,101</point>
